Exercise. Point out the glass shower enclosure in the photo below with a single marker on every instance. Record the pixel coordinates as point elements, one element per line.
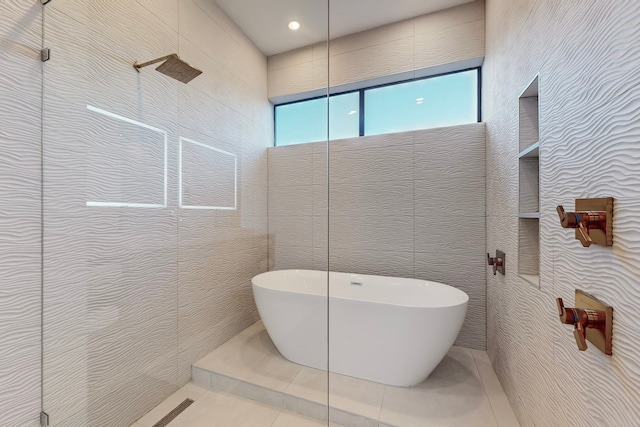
<point>155,200</point>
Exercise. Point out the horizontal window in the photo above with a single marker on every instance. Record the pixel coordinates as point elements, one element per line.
<point>445,100</point>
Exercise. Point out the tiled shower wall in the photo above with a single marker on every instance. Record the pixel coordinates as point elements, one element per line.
<point>587,55</point>
<point>142,276</point>
<point>429,42</point>
<point>406,204</point>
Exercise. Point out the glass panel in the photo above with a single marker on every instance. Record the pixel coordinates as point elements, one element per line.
<point>446,100</point>
<point>110,217</point>
<point>163,201</point>
<point>306,121</point>
<point>20,219</point>
<point>396,199</point>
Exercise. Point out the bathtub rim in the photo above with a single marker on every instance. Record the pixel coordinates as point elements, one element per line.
<point>460,293</point>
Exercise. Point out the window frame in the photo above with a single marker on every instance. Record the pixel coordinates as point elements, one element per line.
<point>361,91</point>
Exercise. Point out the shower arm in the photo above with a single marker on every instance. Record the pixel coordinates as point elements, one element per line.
<point>137,65</point>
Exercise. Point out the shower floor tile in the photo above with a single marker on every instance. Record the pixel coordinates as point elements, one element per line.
<point>463,390</point>
<point>220,409</point>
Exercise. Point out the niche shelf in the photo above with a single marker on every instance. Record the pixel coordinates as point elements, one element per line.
<point>529,185</point>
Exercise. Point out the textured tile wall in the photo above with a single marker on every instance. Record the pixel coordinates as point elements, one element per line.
<point>587,55</point>
<point>134,295</point>
<point>449,36</point>
<point>20,111</point>
<point>407,204</point>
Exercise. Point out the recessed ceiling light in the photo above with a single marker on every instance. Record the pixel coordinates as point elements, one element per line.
<point>294,25</point>
<point>352,112</point>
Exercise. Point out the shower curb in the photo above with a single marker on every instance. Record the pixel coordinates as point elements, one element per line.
<point>220,382</point>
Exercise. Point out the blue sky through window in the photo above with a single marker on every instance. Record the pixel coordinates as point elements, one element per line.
<point>307,121</point>
<point>446,100</point>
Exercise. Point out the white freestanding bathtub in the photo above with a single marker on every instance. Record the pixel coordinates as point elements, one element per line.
<point>384,329</point>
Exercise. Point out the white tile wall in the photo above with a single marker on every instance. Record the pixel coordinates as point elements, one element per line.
<point>587,56</point>
<point>448,36</point>
<point>407,204</point>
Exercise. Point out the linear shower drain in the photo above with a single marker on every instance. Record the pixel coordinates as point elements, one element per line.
<point>174,413</point>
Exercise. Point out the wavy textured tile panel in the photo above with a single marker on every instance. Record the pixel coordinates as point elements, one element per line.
<point>461,13</point>
<point>377,262</point>
<point>589,114</point>
<point>385,198</point>
<point>209,28</point>
<point>293,230</point>
<point>230,90</point>
<point>465,272</point>
<point>292,80</point>
<point>363,232</point>
<point>363,164</point>
<point>208,176</point>
<point>291,200</point>
<point>215,296</point>
<point>286,257</point>
<point>20,188</point>
<point>450,45</point>
<point>385,59</point>
<point>290,58</point>
<point>443,37</point>
<point>433,151</point>
<point>283,165</point>
<point>376,36</point>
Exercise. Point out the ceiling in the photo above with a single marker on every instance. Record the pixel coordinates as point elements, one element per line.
<point>265,21</point>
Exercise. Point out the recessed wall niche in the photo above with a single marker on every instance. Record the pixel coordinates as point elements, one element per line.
<point>529,185</point>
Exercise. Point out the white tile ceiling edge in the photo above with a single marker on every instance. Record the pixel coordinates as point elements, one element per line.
<point>265,21</point>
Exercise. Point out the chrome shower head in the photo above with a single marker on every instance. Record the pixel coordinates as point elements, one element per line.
<point>173,67</point>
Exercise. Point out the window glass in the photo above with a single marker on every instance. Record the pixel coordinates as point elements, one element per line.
<point>306,121</point>
<point>344,116</point>
<point>446,100</point>
<point>300,122</point>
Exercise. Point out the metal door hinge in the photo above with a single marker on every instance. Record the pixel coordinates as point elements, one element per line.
<point>44,419</point>
<point>45,54</point>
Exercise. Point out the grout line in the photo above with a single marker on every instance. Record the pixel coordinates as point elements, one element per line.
<point>501,390</point>
<point>275,419</point>
<point>384,393</point>
<point>484,389</point>
<point>413,138</point>
<point>475,363</point>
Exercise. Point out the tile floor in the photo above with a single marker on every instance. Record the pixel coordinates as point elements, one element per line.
<point>220,409</point>
<point>250,384</point>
